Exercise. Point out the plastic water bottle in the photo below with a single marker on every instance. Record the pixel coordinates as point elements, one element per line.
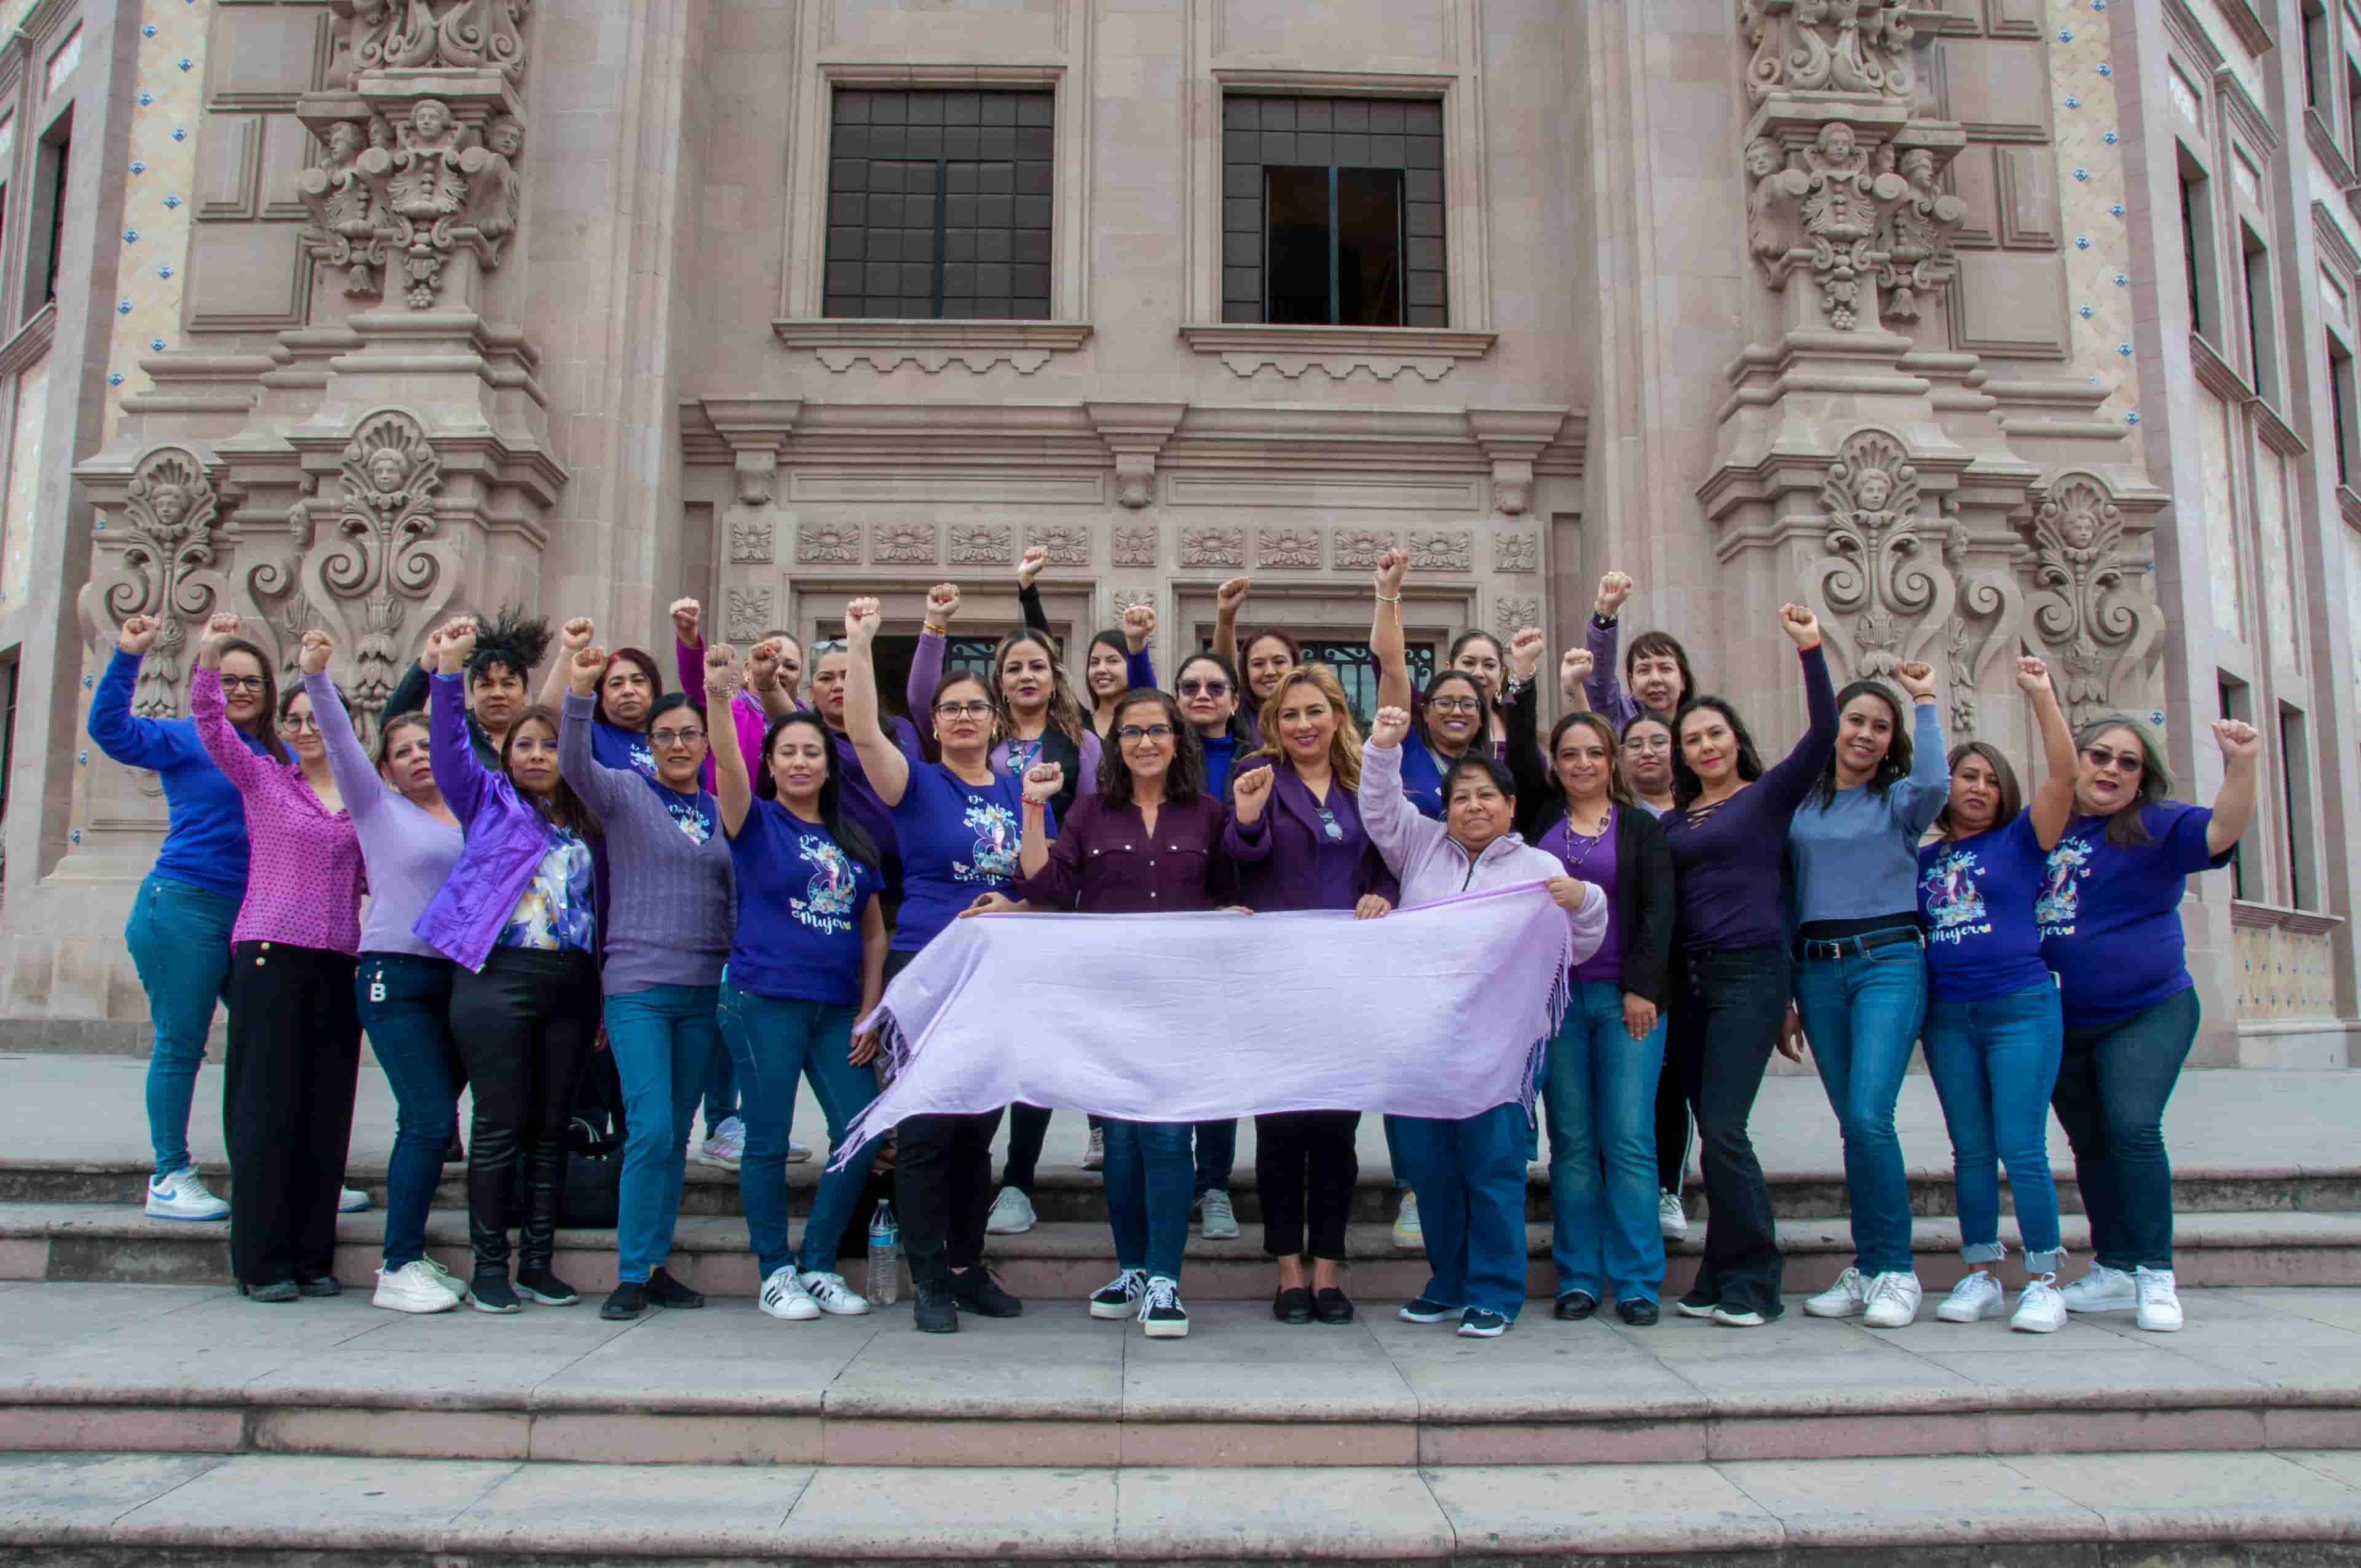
<point>884,1256</point>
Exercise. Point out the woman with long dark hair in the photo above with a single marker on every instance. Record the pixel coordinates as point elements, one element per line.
<point>1464,706</point>
<point>1296,839</point>
<point>1037,716</point>
<point>1262,659</point>
<point>1656,675</point>
<point>519,916</point>
<point>1729,841</point>
<point>808,962</point>
<point>960,821</point>
<point>294,1037</point>
<point>1861,967</point>
<point>179,932</point>
<point>1599,1088</point>
<point>2110,916</point>
<point>1646,758</point>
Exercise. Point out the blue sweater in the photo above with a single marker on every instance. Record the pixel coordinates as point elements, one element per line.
<point>1858,856</point>
<point>205,845</point>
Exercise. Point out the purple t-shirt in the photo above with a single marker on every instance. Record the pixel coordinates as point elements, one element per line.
<point>1593,860</point>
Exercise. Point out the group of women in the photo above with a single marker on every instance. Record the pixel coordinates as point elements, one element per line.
<point>595,870</point>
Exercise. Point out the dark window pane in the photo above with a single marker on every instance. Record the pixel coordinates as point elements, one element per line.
<point>1241,114</point>
<point>1242,181</point>
<point>999,108</point>
<point>888,141</point>
<point>1032,245</point>
<point>1278,146</point>
<point>851,108</point>
<point>1037,109</point>
<point>1423,118</point>
<point>993,244</point>
<point>997,142</point>
<point>925,108</point>
<point>1351,150</point>
<point>1295,207</point>
<point>924,141</point>
<point>962,108</point>
<point>1315,147</point>
<point>1031,213</point>
<point>1386,117</point>
<point>1352,114</point>
<point>1314,114</point>
<point>1278,113</point>
<point>1035,178</point>
<point>958,245</point>
<point>1369,248</point>
<point>889,108</point>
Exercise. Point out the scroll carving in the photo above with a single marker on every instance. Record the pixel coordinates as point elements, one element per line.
<point>1883,591</point>
<point>2100,627</point>
<point>1839,46</point>
<point>166,569</point>
<point>409,35</point>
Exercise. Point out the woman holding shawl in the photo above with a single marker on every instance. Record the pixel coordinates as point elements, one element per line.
<point>1469,1175</point>
<point>1298,843</point>
<point>957,821</point>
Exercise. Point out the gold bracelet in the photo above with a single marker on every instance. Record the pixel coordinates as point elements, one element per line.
<point>1394,599</point>
<point>937,630</point>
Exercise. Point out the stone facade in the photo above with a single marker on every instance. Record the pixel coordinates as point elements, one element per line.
<point>394,307</point>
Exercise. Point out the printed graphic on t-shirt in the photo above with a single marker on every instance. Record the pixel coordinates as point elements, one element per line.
<point>826,902</point>
<point>643,757</point>
<point>691,818</point>
<point>1953,904</point>
<point>2060,904</point>
<point>994,858</point>
<point>556,912</point>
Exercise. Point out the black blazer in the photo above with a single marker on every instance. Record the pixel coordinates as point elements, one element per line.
<point>1644,891</point>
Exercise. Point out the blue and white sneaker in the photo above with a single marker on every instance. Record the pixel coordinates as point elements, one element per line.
<point>1477,1323</point>
<point>351,1200</point>
<point>181,1196</point>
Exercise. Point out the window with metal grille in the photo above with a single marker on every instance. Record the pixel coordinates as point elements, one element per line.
<point>1332,212</point>
<point>938,204</point>
<point>1356,669</point>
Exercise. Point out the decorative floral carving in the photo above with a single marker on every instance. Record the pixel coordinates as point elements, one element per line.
<point>981,543</point>
<point>827,544</point>
<point>1287,546</point>
<point>1823,211</point>
<point>1840,45</point>
<point>343,228</point>
<point>1212,547</point>
<point>1516,553</point>
<point>904,545</point>
<point>165,569</point>
<point>484,32</point>
<point>749,614</point>
<point>1067,545</point>
<point>1511,613</point>
<point>1881,594</point>
<point>750,542</point>
<point>1919,257</point>
<point>1124,598</point>
<point>2100,626</point>
<point>425,185</point>
<point>1441,550</point>
<point>1135,547</point>
<point>407,35</point>
<point>1359,548</point>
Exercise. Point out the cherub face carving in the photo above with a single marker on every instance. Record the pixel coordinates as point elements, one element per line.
<point>505,136</point>
<point>386,470</point>
<point>429,119</point>
<point>1837,142</point>
<point>344,142</point>
<point>1873,489</point>
<point>2079,529</point>
<point>171,504</point>
<point>1761,158</point>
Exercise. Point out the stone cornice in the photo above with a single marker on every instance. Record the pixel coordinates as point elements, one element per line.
<point>2323,142</point>
<point>1385,352</point>
<point>2348,506</point>
<point>31,341</point>
<point>2329,234</point>
<point>2248,25</point>
<point>2277,432</point>
<point>841,343</point>
<point>2268,916</point>
<point>2181,25</point>
<point>2215,374</point>
<point>2246,115</point>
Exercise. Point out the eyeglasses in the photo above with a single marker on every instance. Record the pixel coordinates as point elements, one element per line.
<point>1131,732</point>
<point>1457,704</point>
<point>1328,823</point>
<point>1648,744</point>
<point>963,710</point>
<point>676,737</point>
<point>2120,761</point>
<point>299,722</point>
<point>1205,688</point>
<point>241,683</point>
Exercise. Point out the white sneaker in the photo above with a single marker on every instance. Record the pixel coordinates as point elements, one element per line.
<point>1012,1214</point>
<point>1894,1298</point>
<point>1220,1221</point>
<point>1671,1218</point>
<point>1161,1315</point>
<point>2159,1303</point>
<point>351,1200</point>
<point>1974,1299</point>
<point>414,1288</point>
<point>449,1281</point>
<point>181,1196</point>
<point>783,1296</point>
<point>2101,1289</point>
<point>2041,1308</point>
<point>1848,1298</point>
<point>1408,1235</point>
<point>834,1295</point>
<point>796,1153</point>
<point>1095,1156</point>
<point>726,1146</point>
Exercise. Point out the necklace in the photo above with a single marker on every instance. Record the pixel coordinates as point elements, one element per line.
<point>1580,846</point>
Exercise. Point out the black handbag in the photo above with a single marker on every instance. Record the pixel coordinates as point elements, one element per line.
<point>591,1198</point>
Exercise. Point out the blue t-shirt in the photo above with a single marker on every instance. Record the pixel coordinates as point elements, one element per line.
<point>1421,775</point>
<point>697,816</point>
<point>2110,917</point>
<point>1976,898</point>
<point>617,748</point>
<point>800,898</point>
<point>959,840</point>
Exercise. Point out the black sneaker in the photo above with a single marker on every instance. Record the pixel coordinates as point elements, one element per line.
<point>1696,1306</point>
<point>934,1310</point>
<point>1161,1315</point>
<point>1576,1305</point>
<point>1639,1311</point>
<point>540,1283</point>
<point>975,1291</point>
<point>319,1285</point>
<point>1477,1323</point>
<point>1418,1309</point>
<point>627,1301</point>
<point>489,1292</point>
<point>664,1290</point>
<point>275,1291</point>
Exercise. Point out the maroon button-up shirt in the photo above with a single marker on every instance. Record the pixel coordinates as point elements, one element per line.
<point>1105,861</point>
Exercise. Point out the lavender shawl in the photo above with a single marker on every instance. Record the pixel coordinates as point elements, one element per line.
<point>1438,1011</point>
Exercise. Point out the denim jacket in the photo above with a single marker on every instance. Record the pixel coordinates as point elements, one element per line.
<point>506,838</point>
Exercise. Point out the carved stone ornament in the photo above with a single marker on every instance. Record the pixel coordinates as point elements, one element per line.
<point>1821,209</point>
<point>165,569</point>
<point>1835,46</point>
<point>404,194</point>
<point>1212,547</point>
<point>751,542</point>
<point>1511,613</point>
<point>827,544</point>
<point>2100,627</point>
<point>1441,550</point>
<point>1068,544</point>
<point>1919,257</point>
<point>904,544</point>
<point>1882,592</point>
<point>1516,553</point>
<point>1359,549</point>
<point>982,544</point>
<point>1512,487</point>
<point>409,35</point>
<point>1125,598</point>
<point>1135,547</point>
<point>1288,547</point>
<point>749,614</point>
<point>1135,479</point>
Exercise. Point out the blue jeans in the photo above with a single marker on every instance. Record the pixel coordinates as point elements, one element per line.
<point>1470,1177</point>
<point>1217,1151</point>
<point>2112,1081</point>
<point>179,937</point>
<point>1149,1178</point>
<point>1599,1092</point>
<point>772,1041</point>
<point>663,1039</point>
<point>405,1003</point>
<point>719,1088</point>
<point>1862,1013</point>
<point>1994,1062</point>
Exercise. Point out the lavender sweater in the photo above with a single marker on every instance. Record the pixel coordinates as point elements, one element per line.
<point>670,915</point>
<point>407,853</point>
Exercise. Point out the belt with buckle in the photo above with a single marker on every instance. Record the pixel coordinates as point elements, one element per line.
<point>1869,941</point>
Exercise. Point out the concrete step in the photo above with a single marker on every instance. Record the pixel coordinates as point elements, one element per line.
<point>1069,1259</point>
<point>2087,1510</point>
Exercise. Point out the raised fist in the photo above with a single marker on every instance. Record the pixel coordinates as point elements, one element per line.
<point>584,668</point>
<point>317,649</point>
<point>861,620</point>
<point>1250,792</point>
<point>763,663</point>
<point>1614,589</point>
<point>687,622</point>
<point>1918,680</point>
<point>943,603</point>
<point>138,634</point>
<point>218,631</point>
<point>1138,626</point>
<point>1525,652</point>
<point>720,671</point>
<point>1803,628</point>
<point>2240,741</point>
<point>1028,565</point>
<point>457,642</point>
<point>1042,783</point>
<point>1231,596</point>
<point>2032,675</point>
<point>1388,727</point>
<point>1571,671</point>
<point>578,634</point>
<point>1388,575</point>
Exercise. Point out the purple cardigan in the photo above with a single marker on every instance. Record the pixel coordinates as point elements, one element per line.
<point>1276,853</point>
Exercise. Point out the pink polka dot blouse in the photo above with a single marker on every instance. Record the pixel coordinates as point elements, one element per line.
<point>304,876</point>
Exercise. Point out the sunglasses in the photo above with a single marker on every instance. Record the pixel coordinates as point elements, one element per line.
<point>1131,732</point>
<point>1328,823</point>
<point>2128,762</point>
<point>1205,688</point>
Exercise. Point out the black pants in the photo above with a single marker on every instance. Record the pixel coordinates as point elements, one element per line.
<point>942,1182</point>
<point>1672,1126</point>
<point>1029,1126</point>
<point>1725,1024</point>
<point>1305,1165</point>
<point>525,1024</point>
<point>287,1107</point>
